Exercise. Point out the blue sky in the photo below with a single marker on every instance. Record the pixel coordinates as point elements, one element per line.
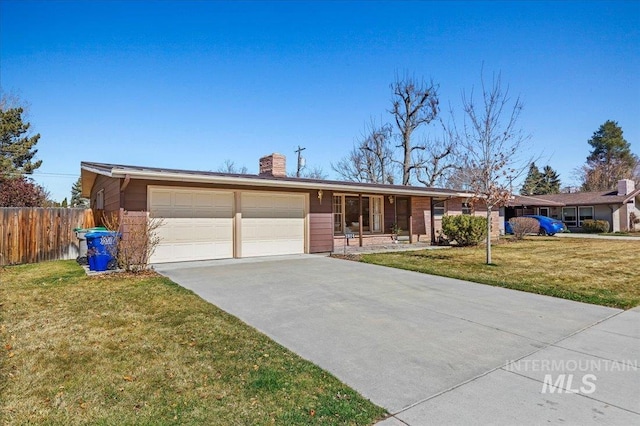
<point>191,84</point>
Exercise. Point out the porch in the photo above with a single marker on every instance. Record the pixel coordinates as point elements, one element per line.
<point>381,245</point>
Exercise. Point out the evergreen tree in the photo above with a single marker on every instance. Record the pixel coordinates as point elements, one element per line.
<point>64,203</point>
<point>76,195</point>
<point>532,181</point>
<point>16,147</point>
<point>550,182</point>
<point>610,160</point>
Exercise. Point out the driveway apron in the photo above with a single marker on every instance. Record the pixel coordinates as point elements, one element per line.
<point>410,342</point>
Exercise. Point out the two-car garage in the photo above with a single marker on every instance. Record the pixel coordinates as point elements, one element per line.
<point>200,224</point>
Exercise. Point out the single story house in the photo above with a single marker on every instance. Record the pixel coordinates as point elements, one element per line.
<point>617,207</point>
<point>209,215</point>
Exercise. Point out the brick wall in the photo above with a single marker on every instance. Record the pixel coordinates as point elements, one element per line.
<point>421,219</point>
<point>273,165</point>
<point>339,241</point>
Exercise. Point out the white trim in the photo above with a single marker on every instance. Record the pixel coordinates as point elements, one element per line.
<point>344,214</point>
<point>575,212</point>
<point>593,212</point>
<point>444,208</point>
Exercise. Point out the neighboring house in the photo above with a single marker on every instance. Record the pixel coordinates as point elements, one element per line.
<point>616,207</point>
<point>209,215</point>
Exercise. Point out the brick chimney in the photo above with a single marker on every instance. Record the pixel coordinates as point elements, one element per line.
<point>626,186</point>
<point>273,165</point>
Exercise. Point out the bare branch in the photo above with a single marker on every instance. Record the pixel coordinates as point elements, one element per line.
<point>492,140</point>
<point>414,103</point>
<point>370,159</point>
<point>230,167</point>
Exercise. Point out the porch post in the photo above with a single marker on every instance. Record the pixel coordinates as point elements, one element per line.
<point>410,212</point>
<point>360,219</point>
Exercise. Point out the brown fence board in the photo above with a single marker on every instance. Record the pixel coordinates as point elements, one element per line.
<point>30,235</point>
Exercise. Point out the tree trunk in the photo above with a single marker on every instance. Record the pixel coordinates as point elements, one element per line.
<point>406,169</point>
<point>488,235</point>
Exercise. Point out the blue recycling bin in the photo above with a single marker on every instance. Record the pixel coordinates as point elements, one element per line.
<point>101,248</point>
<point>82,246</point>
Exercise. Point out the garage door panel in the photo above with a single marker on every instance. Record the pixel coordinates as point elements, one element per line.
<point>197,224</point>
<point>257,248</point>
<point>272,224</point>
<point>182,199</point>
<point>161,199</point>
<point>272,229</point>
<point>185,230</point>
<point>178,252</point>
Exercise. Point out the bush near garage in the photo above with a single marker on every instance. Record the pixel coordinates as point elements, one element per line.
<point>465,230</point>
<point>595,226</point>
<point>522,226</point>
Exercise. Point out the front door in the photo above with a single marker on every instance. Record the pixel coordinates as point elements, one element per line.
<point>402,215</point>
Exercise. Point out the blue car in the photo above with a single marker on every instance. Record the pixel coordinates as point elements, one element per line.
<point>548,225</point>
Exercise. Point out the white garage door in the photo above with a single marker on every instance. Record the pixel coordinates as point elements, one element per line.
<point>197,224</point>
<point>272,224</point>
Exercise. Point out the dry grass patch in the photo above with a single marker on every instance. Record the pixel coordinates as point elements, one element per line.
<point>602,272</point>
<point>138,349</point>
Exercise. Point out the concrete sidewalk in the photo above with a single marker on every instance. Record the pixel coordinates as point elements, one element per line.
<point>597,237</point>
<point>591,377</point>
<point>434,350</point>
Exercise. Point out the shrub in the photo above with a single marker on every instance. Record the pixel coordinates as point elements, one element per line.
<point>522,226</point>
<point>595,226</point>
<point>633,220</point>
<point>466,230</point>
<point>139,238</point>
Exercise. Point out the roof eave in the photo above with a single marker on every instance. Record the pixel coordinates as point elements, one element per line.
<point>631,196</point>
<point>289,184</point>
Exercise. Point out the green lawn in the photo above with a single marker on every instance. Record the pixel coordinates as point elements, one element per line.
<point>124,349</point>
<point>602,272</point>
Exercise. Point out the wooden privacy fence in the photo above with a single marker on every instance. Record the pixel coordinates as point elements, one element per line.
<point>30,235</point>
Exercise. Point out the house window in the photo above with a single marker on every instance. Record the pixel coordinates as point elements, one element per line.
<point>338,214</point>
<point>439,208</point>
<point>376,214</point>
<point>466,208</point>
<point>544,211</point>
<point>352,214</point>
<point>584,213</point>
<point>346,213</point>
<point>569,216</point>
<point>100,200</point>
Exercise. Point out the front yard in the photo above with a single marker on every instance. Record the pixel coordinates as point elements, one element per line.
<point>602,272</point>
<point>124,349</point>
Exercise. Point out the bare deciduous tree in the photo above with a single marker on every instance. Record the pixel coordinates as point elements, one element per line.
<point>601,177</point>
<point>370,160</point>
<point>314,173</point>
<point>230,167</point>
<point>438,160</point>
<point>414,103</point>
<point>492,139</point>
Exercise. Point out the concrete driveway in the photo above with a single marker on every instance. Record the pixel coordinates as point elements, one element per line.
<point>434,350</point>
